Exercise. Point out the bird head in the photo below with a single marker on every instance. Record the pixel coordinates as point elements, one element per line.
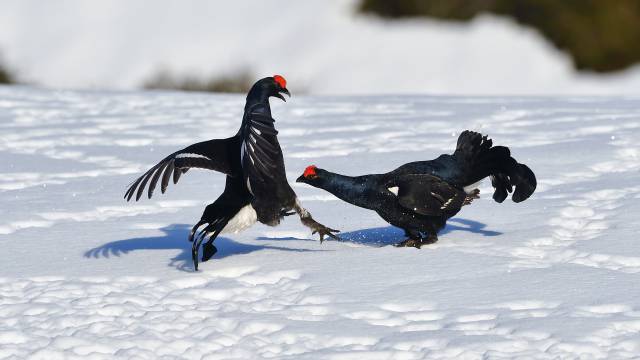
<point>270,86</point>
<point>280,87</point>
<point>312,175</point>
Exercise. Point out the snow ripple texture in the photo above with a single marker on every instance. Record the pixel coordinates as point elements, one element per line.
<point>85,275</point>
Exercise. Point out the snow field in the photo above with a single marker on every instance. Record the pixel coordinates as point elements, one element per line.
<point>86,275</point>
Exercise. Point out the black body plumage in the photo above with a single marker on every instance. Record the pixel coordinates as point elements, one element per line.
<point>254,165</point>
<point>420,196</point>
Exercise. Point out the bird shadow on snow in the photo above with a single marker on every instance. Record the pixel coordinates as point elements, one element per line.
<point>391,235</point>
<point>175,237</point>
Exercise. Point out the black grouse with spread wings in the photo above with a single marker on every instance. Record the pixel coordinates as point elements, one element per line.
<point>256,184</point>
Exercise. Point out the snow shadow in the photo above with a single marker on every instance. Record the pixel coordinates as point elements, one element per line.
<point>391,235</point>
<point>175,237</point>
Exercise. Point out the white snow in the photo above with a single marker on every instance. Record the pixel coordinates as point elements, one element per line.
<point>86,275</point>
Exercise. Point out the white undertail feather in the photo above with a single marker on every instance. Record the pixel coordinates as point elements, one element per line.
<point>242,220</point>
<point>469,188</point>
<point>393,190</point>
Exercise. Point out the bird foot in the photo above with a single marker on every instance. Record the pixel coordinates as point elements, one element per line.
<point>474,194</point>
<point>416,243</point>
<point>419,242</point>
<point>322,230</point>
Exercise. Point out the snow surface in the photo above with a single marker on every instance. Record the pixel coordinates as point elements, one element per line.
<point>325,47</point>
<point>86,275</point>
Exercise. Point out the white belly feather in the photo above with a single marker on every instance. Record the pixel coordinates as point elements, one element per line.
<point>243,220</point>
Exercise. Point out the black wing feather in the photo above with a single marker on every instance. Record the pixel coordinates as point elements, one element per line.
<point>211,155</point>
<point>428,195</point>
<point>165,177</point>
<point>261,150</point>
<point>263,118</point>
<point>154,180</point>
<point>177,172</point>
<point>147,176</point>
<point>267,129</point>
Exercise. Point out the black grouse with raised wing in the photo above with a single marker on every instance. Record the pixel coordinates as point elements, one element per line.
<point>256,184</point>
<point>420,196</point>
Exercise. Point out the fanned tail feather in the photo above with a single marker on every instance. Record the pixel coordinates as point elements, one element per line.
<point>482,159</point>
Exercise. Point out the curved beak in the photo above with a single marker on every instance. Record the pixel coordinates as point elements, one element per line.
<point>300,178</point>
<point>283,91</point>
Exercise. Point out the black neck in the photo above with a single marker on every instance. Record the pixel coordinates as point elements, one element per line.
<point>257,102</point>
<point>257,99</point>
<point>257,95</point>
<point>354,190</point>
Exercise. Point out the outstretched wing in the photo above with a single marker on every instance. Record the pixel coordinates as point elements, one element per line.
<point>428,195</point>
<point>261,151</point>
<point>212,155</point>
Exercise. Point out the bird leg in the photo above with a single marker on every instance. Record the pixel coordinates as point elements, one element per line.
<point>316,227</point>
<point>474,194</point>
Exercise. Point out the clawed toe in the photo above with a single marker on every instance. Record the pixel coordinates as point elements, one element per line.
<point>416,243</point>
<point>474,194</point>
<point>316,227</point>
<point>325,231</point>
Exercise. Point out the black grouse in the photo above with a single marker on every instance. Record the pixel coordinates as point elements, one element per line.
<point>420,196</point>
<point>256,185</point>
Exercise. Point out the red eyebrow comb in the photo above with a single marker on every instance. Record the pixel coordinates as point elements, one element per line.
<point>280,80</point>
<point>310,171</point>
